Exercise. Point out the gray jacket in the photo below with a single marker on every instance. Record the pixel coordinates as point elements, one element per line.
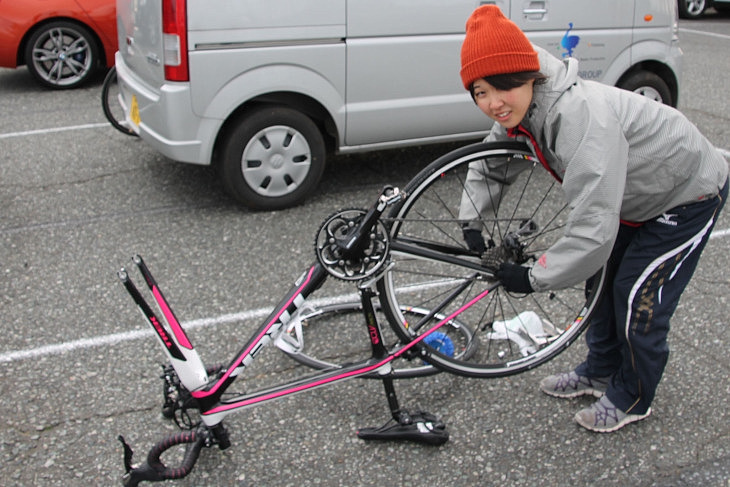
<point>621,156</point>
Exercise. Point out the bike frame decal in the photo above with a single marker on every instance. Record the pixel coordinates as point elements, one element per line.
<point>263,338</point>
<point>177,330</point>
<point>180,336</point>
<point>168,343</point>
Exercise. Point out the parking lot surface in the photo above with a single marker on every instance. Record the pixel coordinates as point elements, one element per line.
<point>77,367</point>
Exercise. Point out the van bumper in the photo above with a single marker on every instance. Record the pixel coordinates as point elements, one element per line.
<point>166,118</point>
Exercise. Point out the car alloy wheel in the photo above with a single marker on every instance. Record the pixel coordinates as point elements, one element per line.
<point>62,55</point>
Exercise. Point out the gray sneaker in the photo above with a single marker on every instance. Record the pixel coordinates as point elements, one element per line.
<point>604,417</point>
<point>570,384</point>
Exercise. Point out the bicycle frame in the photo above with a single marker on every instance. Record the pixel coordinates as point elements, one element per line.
<point>192,371</point>
<point>208,394</point>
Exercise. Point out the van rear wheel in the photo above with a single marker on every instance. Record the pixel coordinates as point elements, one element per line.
<point>272,158</point>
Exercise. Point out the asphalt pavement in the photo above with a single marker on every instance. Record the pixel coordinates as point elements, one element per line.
<point>78,368</point>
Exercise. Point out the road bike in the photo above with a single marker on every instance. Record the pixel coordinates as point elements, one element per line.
<point>407,258</point>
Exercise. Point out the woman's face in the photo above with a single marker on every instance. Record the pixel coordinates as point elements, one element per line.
<point>507,108</point>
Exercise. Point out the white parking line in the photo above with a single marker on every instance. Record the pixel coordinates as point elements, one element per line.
<point>702,33</point>
<point>128,336</point>
<point>53,130</point>
<point>117,338</point>
<point>725,152</point>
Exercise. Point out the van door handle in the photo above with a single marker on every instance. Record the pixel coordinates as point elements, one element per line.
<point>535,11</point>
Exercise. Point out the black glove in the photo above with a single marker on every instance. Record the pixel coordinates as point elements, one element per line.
<point>515,278</point>
<point>474,240</point>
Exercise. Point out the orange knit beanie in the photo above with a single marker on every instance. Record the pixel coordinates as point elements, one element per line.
<point>494,45</point>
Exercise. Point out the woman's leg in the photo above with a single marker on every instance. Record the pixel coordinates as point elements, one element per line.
<point>653,273</point>
<point>604,348</point>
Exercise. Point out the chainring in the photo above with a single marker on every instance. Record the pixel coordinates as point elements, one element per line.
<point>335,232</point>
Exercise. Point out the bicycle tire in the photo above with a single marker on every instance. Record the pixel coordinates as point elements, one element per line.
<point>334,334</point>
<point>110,80</point>
<point>429,259</point>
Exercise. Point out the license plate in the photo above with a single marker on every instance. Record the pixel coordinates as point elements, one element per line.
<point>134,111</point>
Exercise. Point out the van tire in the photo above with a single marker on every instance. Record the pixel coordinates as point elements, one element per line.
<point>647,84</point>
<point>272,158</point>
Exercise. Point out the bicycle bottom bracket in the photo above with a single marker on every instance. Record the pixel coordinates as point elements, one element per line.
<point>337,254</point>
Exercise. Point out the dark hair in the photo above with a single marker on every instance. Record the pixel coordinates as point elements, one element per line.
<point>509,81</point>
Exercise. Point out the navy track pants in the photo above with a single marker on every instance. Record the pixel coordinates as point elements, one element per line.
<point>648,270</point>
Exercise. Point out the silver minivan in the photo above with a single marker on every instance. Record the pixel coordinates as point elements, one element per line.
<point>265,90</point>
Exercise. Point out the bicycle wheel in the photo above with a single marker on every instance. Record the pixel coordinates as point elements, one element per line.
<point>431,267</point>
<point>331,335</point>
<point>111,106</point>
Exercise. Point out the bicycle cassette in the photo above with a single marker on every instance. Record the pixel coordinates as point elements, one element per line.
<point>359,261</point>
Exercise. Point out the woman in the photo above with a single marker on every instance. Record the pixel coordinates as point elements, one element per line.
<point>644,188</point>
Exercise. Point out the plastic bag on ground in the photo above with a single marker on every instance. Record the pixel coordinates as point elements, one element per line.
<point>527,330</point>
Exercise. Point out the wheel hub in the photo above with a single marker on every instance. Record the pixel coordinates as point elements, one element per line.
<point>277,161</point>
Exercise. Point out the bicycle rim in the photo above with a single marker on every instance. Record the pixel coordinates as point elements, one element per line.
<point>327,336</point>
<point>431,267</point>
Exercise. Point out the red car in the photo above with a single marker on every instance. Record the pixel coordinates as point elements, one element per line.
<point>63,42</point>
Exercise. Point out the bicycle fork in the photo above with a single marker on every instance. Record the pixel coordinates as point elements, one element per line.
<point>183,356</point>
<point>190,372</point>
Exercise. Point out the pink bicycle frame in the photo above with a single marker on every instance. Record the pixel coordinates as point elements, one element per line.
<point>208,394</point>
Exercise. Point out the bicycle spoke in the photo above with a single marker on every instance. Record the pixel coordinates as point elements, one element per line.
<point>511,332</point>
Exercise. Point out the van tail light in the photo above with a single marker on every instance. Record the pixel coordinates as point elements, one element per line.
<point>175,40</point>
